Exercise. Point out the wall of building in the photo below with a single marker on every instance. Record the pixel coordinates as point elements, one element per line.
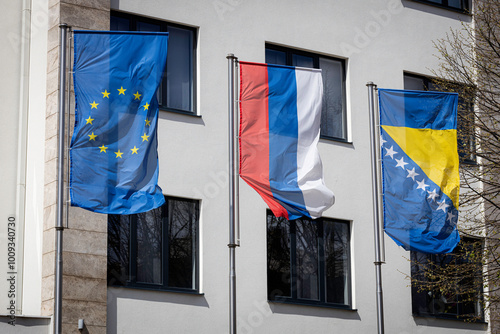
<point>24,31</point>
<point>36,155</point>
<point>11,66</point>
<point>379,40</point>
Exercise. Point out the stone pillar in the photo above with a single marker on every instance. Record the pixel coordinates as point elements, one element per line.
<point>85,242</point>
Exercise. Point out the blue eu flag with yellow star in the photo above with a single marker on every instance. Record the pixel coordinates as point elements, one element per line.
<point>420,169</point>
<point>114,159</point>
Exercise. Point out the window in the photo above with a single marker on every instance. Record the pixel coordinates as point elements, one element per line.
<point>465,126</point>
<point>333,115</point>
<point>458,5</point>
<point>156,249</point>
<point>308,261</point>
<point>177,91</point>
<point>449,285</point>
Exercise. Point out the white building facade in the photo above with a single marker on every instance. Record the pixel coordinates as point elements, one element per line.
<point>131,275</point>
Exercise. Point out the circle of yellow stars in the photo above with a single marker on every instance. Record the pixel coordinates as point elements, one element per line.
<point>94,105</point>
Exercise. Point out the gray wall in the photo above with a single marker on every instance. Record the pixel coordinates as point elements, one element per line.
<point>379,40</point>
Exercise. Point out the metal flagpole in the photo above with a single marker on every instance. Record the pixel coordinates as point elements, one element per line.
<point>376,213</point>
<point>60,182</point>
<point>233,192</point>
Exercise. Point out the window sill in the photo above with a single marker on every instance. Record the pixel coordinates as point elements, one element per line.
<point>154,288</point>
<point>175,111</point>
<point>450,317</point>
<point>334,139</point>
<point>312,303</point>
<point>458,10</point>
<point>471,163</point>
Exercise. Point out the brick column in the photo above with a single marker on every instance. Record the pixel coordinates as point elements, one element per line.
<point>85,242</point>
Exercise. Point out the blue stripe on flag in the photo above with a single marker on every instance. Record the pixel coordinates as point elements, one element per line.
<point>283,137</point>
<point>424,115</point>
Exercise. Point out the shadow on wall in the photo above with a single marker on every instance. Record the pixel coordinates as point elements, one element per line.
<point>315,311</point>
<point>450,323</point>
<point>25,325</point>
<point>146,296</point>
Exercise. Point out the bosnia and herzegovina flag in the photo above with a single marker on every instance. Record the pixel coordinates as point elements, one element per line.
<point>280,113</point>
<point>420,169</point>
<point>114,159</point>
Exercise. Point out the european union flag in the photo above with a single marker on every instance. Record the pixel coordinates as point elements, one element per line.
<point>114,159</point>
<point>420,169</point>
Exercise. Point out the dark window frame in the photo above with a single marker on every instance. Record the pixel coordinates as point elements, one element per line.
<point>464,5</point>
<point>432,299</point>
<point>130,277</point>
<point>164,27</point>
<point>316,57</point>
<point>273,291</point>
<point>463,106</point>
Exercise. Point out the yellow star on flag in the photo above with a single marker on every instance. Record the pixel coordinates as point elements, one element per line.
<point>105,94</point>
<point>92,136</point>
<point>134,150</point>
<point>89,120</point>
<point>119,154</point>
<point>148,122</point>
<point>103,148</point>
<point>121,91</point>
<point>146,106</point>
<point>137,96</point>
<point>145,137</point>
<point>94,105</point>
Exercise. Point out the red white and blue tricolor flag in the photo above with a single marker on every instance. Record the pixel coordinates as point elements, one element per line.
<point>280,114</point>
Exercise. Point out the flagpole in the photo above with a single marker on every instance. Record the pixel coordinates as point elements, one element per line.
<point>376,205</point>
<point>233,192</point>
<point>60,182</point>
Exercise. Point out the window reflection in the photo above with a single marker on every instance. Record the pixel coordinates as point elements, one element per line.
<point>149,246</point>
<point>182,247</point>
<point>177,89</point>
<point>462,299</point>
<point>336,262</point>
<point>333,113</point>
<point>332,123</point>
<point>278,257</point>
<point>118,248</point>
<point>155,249</point>
<point>308,261</point>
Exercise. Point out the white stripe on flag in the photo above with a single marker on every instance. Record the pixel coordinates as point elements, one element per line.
<point>317,197</point>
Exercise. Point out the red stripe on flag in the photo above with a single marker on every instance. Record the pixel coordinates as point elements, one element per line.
<point>254,133</point>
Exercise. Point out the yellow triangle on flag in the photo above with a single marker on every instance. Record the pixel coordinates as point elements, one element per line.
<point>435,151</point>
